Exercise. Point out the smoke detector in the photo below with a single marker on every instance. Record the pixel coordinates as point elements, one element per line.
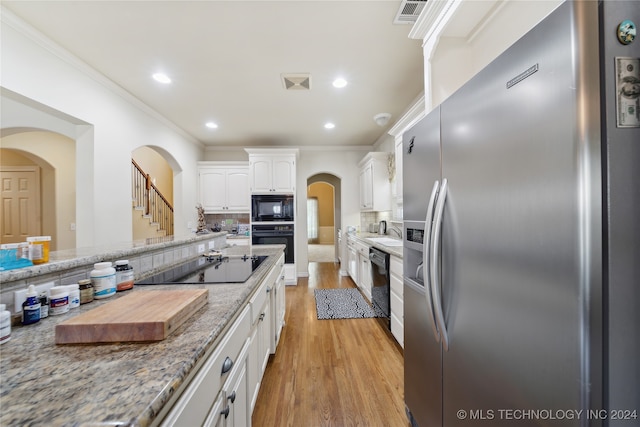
<point>382,118</point>
<point>296,81</point>
<point>409,11</point>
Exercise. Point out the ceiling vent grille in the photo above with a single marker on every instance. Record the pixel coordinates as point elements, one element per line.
<point>297,81</point>
<point>409,11</point>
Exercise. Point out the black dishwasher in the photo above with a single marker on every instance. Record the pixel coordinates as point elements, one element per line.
<point>381,284</point>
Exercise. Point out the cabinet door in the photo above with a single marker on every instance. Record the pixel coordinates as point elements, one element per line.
<point>237,190</point>
<point>365,275</point>
<point>264,337</point>
<point>253,367</point>
<point>212,189</point>
<point>366,187</point>
<point>261,172</point>
<point>236,412</point>
<point>216,415</point>
<point>353,263</point>
<point>283,174</point>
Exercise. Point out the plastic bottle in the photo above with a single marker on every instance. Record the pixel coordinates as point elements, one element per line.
<point>58,300</point>
<point>74,295</point>
<point>39,249</point>
<point>124,275</point>
<point>44,305</point>
<point>5,324</point>
<point>86,291</point>
<point>31,307</point>
<point>103,278</point>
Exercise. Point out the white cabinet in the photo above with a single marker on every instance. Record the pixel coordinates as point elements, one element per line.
<point>267,319</point>
<point>375,188</point>
<point>272,173</point>
<point>236,410</point>
<point>224,187</point>
<point>398,174</point>
<point>397,300</point>
<point>352,257</point>
<point>364,275</point>
<point>278,305</point>
<point>204,396</point>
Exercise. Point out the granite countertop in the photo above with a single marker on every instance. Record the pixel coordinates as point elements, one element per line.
<point>117,384</point>
<point>366,239</point>
<point>70,258</point>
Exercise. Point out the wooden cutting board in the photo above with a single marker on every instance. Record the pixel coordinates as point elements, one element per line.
<point>140,316</point>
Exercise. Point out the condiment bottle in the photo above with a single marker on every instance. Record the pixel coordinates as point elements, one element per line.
<point>74,295</point>
<point>31,307</point>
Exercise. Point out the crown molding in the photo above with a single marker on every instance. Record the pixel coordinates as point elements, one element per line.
<point>9,18</point>
<point>430,21</point>
<point>415,112</point>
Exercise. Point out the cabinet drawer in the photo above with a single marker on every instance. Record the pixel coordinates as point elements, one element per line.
<point>362,249</point>
<point>397,306</point>
<point>397,285</point>
<point>396,267</point>
<point>195,403</point>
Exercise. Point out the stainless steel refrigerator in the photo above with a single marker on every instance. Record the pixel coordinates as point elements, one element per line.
<point>522,236</point>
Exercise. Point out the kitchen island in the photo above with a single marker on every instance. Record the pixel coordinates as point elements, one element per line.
<point>119,384</point>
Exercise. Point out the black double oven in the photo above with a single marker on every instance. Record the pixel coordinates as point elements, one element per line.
<point>272,217</point>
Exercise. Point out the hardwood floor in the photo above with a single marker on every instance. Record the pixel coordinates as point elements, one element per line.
<point>330,372</point>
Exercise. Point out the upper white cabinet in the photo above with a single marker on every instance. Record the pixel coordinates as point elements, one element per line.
<point>375,188</point>
<point>272,170</point>
<point>224,187</point>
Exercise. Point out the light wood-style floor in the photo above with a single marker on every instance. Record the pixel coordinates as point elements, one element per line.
<point>338,373</point>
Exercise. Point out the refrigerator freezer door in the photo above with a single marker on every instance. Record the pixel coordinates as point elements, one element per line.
<point>422,359</point>
<point>513,267</point>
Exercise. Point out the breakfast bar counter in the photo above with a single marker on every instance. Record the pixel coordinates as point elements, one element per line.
<point>116,384</point>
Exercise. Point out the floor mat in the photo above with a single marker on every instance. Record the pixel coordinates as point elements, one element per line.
<point>343,303</point>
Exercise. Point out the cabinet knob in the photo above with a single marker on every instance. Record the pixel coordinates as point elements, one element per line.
<point>262,316</point>
<point>225,412</point>
<point>226,365</point>
<point>232,397</point>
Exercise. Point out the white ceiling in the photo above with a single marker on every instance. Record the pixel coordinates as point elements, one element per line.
<point>226,57</point>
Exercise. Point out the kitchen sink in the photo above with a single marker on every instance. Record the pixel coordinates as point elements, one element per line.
<point>387,241</point>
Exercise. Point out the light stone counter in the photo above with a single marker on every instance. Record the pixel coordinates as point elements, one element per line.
<point>118,384</point>
<point>366,239</point>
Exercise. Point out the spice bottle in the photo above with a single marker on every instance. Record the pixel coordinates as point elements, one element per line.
<point>5,324</point>
<point>44,305</point>
<point>58,300</point>
<point>74,295</point>
<point>86,291</point>
<point>31,307</point>
<point>124,275</point>
<point>103,278</point>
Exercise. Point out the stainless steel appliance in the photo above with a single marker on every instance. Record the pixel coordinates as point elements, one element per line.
<point>272,207</point>
<point>382,227</point>
<point>381,284</point>
<point>217,269</point>
<point>274,234</point>
<point>521,258</point>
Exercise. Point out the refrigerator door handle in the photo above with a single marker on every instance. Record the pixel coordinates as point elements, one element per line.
<point>425,259</point>
<point>435,263</point>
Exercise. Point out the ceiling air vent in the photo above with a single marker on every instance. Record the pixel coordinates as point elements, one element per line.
<point>409,11</point>
<point>297,81</point>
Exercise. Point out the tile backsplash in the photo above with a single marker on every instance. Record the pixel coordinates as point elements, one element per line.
<point>226,222</point>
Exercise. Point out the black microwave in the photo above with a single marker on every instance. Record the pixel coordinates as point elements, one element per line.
<point>272,207</point>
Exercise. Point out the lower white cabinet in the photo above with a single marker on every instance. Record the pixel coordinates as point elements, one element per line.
<point>397,300</point>
<point>352,259</point>
<point>364,275</point>
<point>223,391</point>
<point>198,403</point>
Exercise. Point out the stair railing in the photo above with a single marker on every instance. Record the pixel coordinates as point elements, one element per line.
<point>147,196</point>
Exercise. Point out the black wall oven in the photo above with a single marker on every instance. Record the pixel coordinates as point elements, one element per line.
<point>272,207</point>
<point>275,234</point>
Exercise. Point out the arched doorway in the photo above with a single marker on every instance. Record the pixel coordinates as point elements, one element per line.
<point>322,185</point>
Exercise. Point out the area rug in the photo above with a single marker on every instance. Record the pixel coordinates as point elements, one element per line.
<point>343,303</point>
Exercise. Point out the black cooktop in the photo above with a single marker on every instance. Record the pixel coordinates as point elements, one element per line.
<point>208,270</point>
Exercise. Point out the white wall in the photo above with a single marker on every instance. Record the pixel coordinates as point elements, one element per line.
<point>107,125</point>
<point>344,165</point>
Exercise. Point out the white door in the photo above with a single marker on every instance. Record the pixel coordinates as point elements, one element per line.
<point>21,215</point>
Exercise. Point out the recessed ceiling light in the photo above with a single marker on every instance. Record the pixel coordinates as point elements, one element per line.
<point>162,78</point>
<point>211,125</point>
<point>329,125</point>
<point>339,82</point>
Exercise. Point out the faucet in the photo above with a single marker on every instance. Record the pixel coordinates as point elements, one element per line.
<point>396,230</point>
